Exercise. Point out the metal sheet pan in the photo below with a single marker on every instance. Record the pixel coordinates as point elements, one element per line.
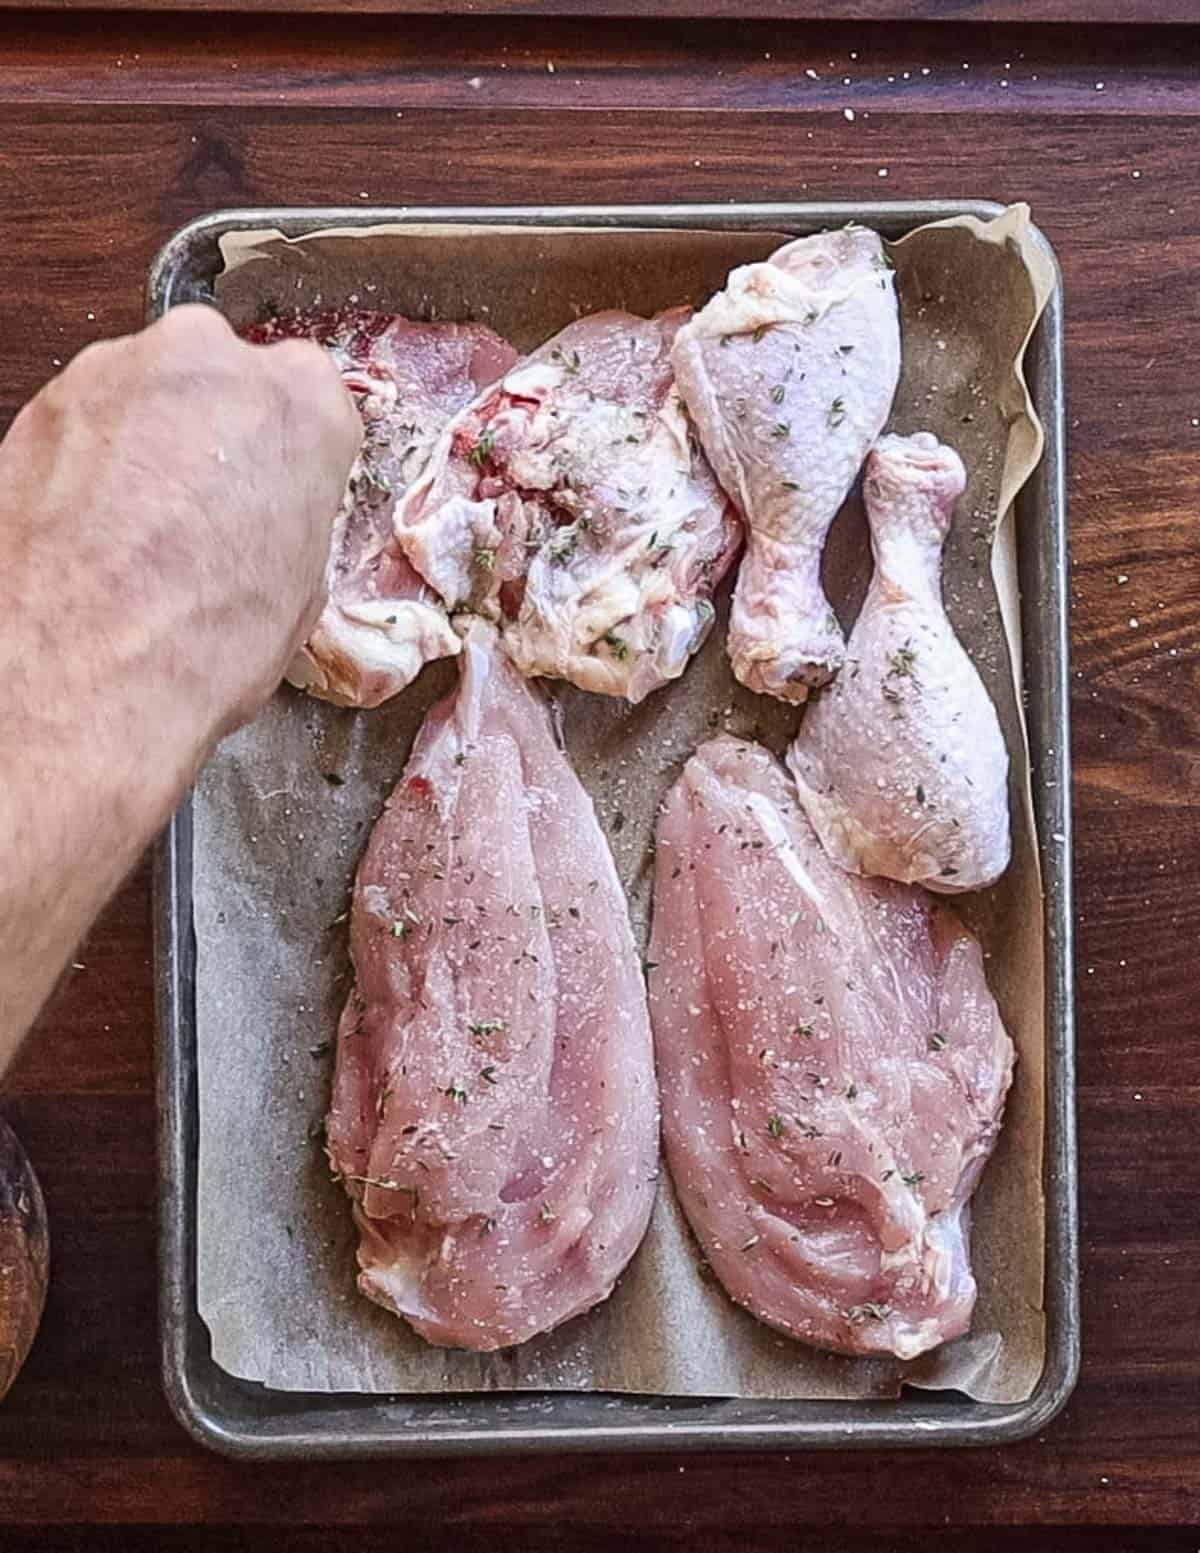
<point>247,1420</point>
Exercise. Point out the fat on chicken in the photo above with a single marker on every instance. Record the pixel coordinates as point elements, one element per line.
<point>833,1068</point>
<point>574,506</point>
<point>381,624</point>
<point>789,375</point>
<point>901,764</point>
<point>494,1114</point>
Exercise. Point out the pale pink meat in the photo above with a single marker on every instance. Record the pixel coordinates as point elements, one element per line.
<point>494,1113</point>
<point>833,1068</point>
<point>901,764</point>
<point>381,623</point>
<point>789,375</point>
<point>573,506</point>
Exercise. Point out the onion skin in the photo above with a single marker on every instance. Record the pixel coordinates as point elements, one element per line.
<point>24,1256</point>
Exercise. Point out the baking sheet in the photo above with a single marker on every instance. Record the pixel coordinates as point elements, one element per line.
<point>282,811</point>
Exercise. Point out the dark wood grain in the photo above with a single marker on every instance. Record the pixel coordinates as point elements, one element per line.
<point>559,65</point>
<point>98,164</point>
<point>1091,12</point>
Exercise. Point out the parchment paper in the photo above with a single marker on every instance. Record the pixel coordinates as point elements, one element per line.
<point>283,809</point>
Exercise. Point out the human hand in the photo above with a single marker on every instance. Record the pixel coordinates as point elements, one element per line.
<point>167,505</point>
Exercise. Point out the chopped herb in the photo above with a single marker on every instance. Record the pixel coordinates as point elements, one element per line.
<point>487,1026</point>
<point>851,1091</point>
<point>901,662</point>
<point>937,1042</point>
<point>460,759</point>
<point>844,350</point>
<point>777,394</point>
<point>920,794</point>
<point>890,693</point>
<point>914,1179</point>
<point>399,928</point>
<point>618,648</point>
<point>887,1175</point>
<point>790,485</point>
<point>488,1075</point>
<point>775,1126</point>
<point>804,1030</point>
<point>455,1091</point>
<point>837,413</point>
<point>948,872</point>
<point>485,559</point>
<point>869,1311</point>
<point>569,361</point>
<point>561,553</point>
<point>547,1214</point>
<point>488,1225</point>
<point>391,620</point>
<point>451,921</point>
<point>483,448</point>
<point>320,1049</point>
<point>781,429</point>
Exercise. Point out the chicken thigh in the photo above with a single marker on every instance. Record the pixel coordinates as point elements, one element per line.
<point>573,506</point>
<point>901,764</point>
<point>494,1113</point>
<point>381,623</point>
<point>789,375</point>
<point>833,1068</point>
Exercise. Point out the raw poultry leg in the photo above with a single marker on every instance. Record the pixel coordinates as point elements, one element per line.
<point>573,505</point>
<point>901,765</point>
<point>833,1068</point>
<point>381,624</point>
<point>789,375</point>
<point>494,1113</point>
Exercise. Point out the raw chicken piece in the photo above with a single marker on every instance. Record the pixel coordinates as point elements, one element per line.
<point>494,1114</point>
<point>901,765</point>
<point>789,375</point>
<point>381,624</point>
<point>833,1068</point>
<point>572,504</point>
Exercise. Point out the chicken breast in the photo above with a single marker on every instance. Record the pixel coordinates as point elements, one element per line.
<point>574,506</point>
<point>494,1113</point>
<point>901,764</point>
<point>381,623</point>
<point>833,1068</point>
<point>789,374</point>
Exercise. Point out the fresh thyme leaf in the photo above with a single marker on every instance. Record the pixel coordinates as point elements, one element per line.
<point>837,413</point>
<point>483,448</point>
<point>618,647</point>
<point>487,1026</point>
<point>775,1126</point>
<point>937,1042</point>
<point>777,394</point>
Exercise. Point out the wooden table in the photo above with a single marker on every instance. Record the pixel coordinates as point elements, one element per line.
<point>114,130</point>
